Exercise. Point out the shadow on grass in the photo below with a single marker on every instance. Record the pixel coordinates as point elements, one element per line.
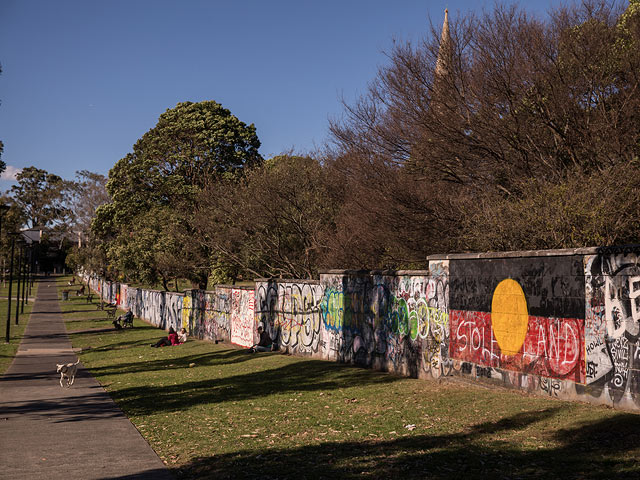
<point>594,450</point>
<point>153,474</point>
<point>309,375</point>
<point>102,319</point>
<point>218,357</point>
<point>85,310</point>
<point>113,346</point>
<point>93,330</point>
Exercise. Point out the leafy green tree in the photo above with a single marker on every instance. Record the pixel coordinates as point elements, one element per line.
<point>41,197</point>
<point>12,221</point>
<point>153,190</point>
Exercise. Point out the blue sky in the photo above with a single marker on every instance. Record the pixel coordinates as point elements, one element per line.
<point>83,80</point>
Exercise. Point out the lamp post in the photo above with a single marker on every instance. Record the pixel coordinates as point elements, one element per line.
<point>20,248</point>
<point>32,268</point>
<point>8,333</point>
<point>25,271</point>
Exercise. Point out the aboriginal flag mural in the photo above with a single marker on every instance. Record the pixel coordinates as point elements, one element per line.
<point>525,314</point>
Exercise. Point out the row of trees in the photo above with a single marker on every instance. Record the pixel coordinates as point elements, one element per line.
<point>498,132</point>
<point>59,209</point>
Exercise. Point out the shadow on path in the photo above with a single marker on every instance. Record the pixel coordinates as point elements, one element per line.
<point>71,408</point>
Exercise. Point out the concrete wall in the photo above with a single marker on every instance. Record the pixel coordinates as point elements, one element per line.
<point>393,321</point>
<point>612,328</point>
<point>563,323</point>
<point>290,312</point>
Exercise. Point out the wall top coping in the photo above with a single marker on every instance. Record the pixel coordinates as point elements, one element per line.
<point>374,272</point>
<point>288,280</point>
<point>221,285</point>
<point>531,253</point>
<point>238,287</point>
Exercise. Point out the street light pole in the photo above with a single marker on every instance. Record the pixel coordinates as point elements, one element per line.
<point>25,269</point>
<point>18,289</point>
<point>31,268</point>
<point>8,336</point>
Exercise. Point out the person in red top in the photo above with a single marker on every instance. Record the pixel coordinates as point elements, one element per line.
<point>171,339</point>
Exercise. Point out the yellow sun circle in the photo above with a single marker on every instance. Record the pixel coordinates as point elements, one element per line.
<point>509,316</point>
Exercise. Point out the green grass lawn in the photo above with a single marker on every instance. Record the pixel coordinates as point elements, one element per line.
<point>216,411</point>
<point>8,350</point>
<point>4,289</point>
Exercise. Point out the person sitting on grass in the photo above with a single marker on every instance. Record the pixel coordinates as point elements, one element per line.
<point>182,336</point>
<point>171,339</point>
<point>265,344</point>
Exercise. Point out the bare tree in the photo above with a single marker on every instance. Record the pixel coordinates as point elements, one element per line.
<point>88,192</point>
<point>478,110</point>
<point>273,222</point>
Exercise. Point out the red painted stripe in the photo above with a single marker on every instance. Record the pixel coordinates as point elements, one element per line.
<point>553,347</point>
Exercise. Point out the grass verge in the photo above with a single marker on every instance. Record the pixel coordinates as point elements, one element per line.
<point>8,350</point>
<point>215,411</point>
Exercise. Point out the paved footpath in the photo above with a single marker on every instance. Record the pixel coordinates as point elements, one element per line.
<point>63,433</point>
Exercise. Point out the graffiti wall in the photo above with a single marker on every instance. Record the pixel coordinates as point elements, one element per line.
<point>187,311</point>
<point>197,326</point>
<point>173,310</point>
<point>220,314</point>
<point>107,291</point>
<point>134,301</point>
<point>397,322</point>
<point>612,328</point>
<point>290,313</point>
<point>122,297</point>
<point>525,315</point>
<point>563,323</point>
<point>242,316</point>
<point>207,315</point>
<point>151,306</point>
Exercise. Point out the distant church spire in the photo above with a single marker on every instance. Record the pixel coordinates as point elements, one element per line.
<point>444,54</point>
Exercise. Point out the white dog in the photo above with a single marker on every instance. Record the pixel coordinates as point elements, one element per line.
<point>68,372</point>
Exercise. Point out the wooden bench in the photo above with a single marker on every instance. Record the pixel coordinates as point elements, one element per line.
<point>127,322</point>
<point>111,311</point>
<point>123,322</point>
